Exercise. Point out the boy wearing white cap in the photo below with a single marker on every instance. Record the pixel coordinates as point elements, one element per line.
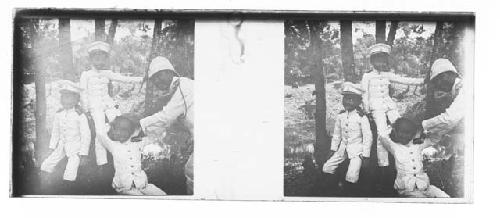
<point>179,108</point>
<point>447,88</point>
<point>70,133</point>
<point>95,95</point>
<point>352,136</point>
<point>376,99</point>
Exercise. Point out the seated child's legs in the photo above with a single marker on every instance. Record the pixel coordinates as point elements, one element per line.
<point>333,163</point>
<point>412,194</point>
<point>151,189</point>
<point>352,174</point>
<point>381,123</point>
<point>133,191</point>
<point>54,158</point>
<point>435,192</point>
<point>72,168</point>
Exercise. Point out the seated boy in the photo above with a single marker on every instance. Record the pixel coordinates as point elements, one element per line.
<point>352,137</point>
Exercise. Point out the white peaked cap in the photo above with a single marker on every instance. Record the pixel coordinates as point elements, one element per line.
<point>440,66</point>
<point>379,48</point>
<point>158,64</point>
<point>351,88</point>
<point>66,85</point>
<point>99,45</point>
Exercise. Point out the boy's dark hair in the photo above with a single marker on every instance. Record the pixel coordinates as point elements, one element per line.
<point>407,124</point>
<point>131,118</point>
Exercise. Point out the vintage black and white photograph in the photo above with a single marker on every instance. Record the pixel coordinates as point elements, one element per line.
<point>102,105</point>
<point>377,108</point>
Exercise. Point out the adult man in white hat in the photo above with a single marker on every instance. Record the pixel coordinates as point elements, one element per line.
<point>179,108</point>
<point>95,94</point>
<point>352,137</point>
<point>447,88</point>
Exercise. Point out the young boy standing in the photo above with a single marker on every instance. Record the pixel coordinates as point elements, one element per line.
<point>352,137</point>
<point>376,99</point>
<point>95,95</point>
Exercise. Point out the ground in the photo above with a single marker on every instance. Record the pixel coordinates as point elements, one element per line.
<point>302,175</point>
<point>165,170</point>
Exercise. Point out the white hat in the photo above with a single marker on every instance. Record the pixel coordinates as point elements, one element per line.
<point>379,48</point>
<point>440,66</point>
<point>158,64</point>
<point>351,88</point>
<point>98,45</point>
<point>66,85</point>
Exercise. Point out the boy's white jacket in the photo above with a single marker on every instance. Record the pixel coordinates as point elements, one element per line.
<point>127,159</point>
<point>180,107</point>
<point>376,89</point>
<point>72,131</point>
<point>352,131</point>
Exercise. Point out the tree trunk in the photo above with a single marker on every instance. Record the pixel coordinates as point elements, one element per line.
<point>184,31</point>
<point>392,33</point>
<point>347,50</point>
<point>321,146</point>
<point>65,50</point>
<point>149,104</point>
<point>380,31</point>
<point>112,31</point>
<point>458,51</point>
<point>430,111</point>
<point>41,106</point>
<point>100,30</point>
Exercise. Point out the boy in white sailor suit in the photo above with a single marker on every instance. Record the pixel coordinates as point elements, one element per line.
<point>70,133</point>
<point>352,136</point>
<point>95,96</point>
<point>123,140</point>
<point>411,179</point>
<point>376,99</point>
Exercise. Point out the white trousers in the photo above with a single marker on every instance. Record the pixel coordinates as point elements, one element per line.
<point>57,155</point>
<point>380,118</point>
<point>430,192</point>
<point>99,115</point>
<point>337,158</point>
<point>150,189</point>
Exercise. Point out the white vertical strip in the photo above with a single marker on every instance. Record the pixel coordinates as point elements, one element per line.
<point>239,110</point>
<point>469,75</point>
